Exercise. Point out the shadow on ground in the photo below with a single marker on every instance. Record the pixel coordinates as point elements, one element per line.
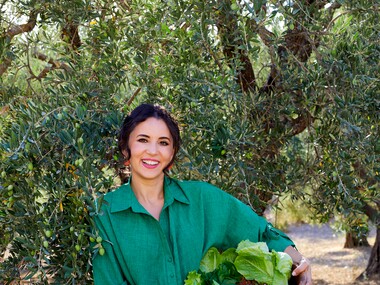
<point>320,282</point>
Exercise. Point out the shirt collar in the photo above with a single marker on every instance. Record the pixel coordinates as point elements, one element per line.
<point>124,198</point>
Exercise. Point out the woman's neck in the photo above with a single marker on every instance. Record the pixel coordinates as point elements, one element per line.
<point>150,195</point>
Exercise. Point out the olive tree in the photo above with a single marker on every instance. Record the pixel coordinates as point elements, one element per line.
<point>272,97</point>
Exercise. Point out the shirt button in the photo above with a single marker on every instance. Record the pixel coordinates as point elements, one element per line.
<point>170,259</point>
<point>172,275</point>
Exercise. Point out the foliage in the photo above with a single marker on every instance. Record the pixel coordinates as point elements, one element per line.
<point>272,97</point>
<point>249,261</point>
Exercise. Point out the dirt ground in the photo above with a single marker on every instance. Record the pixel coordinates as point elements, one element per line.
<point>331,263</point>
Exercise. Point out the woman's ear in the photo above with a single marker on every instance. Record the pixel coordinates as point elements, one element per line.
<point>125,153</point>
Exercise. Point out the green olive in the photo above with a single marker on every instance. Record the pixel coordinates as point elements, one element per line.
<point>48,233</point>
<point>234,7</point>
<point>30,166</point>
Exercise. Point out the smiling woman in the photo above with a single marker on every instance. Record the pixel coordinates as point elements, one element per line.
<point>152,146</point>
<point>163,120</point>
<point>155,229</point>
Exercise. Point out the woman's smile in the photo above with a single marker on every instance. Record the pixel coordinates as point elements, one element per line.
<point>150,163</point>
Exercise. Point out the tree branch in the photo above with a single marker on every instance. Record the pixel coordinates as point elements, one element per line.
<point>125,5</point>
<point>46,70</point>
<point>265,35</point>
<point>362,172</point>
<point>371,213</point>
<point>4,66</point>
<point>133,96</point>
<point>70,35</point>
<point>55,64</point>
<point>14,31</point>
<point>23,28</point>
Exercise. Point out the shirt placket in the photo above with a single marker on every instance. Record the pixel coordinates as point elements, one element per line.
<point>169,260</point>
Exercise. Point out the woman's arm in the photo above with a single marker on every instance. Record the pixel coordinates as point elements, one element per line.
<point>302,270</point>
<point>106,269</point>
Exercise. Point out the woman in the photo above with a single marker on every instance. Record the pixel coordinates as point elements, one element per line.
<point>156,229</point>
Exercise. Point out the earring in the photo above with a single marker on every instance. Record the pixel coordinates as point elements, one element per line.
<point>127,163</point>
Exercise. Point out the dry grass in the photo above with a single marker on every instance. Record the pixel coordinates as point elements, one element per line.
<point>331,263</point>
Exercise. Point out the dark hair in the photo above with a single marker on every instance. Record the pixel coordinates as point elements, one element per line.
<point>140,114</point>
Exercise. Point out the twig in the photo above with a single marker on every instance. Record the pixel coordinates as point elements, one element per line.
<point>47,69</point>
<point>133,96</point>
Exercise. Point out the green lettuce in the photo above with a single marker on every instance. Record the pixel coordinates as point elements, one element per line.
<point>210,261</point>
<point>229,255</point>
<point>193,278</point>
<point>213,258</point>
<point>255,262</point>
<point>283,263</point>
<point>252,261</point>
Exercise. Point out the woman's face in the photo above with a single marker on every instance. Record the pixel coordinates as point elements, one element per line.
<point>151,146</point>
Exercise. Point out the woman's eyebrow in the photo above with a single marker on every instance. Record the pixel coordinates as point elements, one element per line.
<point>146,136</point>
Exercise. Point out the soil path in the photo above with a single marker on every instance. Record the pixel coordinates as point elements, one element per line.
<point>331,263</point>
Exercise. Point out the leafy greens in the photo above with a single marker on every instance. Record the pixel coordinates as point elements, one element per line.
<point>249,261</point>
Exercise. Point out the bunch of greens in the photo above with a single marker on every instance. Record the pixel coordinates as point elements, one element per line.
<point>249,261</point>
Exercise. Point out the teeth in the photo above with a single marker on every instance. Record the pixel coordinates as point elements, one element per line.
<point>150,162</point>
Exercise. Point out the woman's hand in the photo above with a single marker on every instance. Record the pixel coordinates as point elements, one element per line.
<point>302,272</point>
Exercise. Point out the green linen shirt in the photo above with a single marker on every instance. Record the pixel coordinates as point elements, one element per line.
<point>196,216</point>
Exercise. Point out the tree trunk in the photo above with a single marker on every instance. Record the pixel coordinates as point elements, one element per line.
<point>232,39</point>
<point>372,271</point>
<point>352,240</point>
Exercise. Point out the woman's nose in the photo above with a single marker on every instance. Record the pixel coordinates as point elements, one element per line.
<point>152,148</point>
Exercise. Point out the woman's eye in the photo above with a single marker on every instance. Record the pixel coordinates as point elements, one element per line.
<point>142,140</point>
<point>164,143</point>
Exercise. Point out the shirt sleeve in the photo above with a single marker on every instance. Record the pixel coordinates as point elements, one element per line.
<point>244,222</point>
<point>106,268</point>
<point>239,222</point>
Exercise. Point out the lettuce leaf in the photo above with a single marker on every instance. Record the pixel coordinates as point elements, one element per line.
<point>249,248</point>
<point>210,261</point>
<point>279,278</point>
<point>258,268</point>
<point>283,263</point>
<point>228,255</point>
<point>255,262</point>
<point>193,278</point>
